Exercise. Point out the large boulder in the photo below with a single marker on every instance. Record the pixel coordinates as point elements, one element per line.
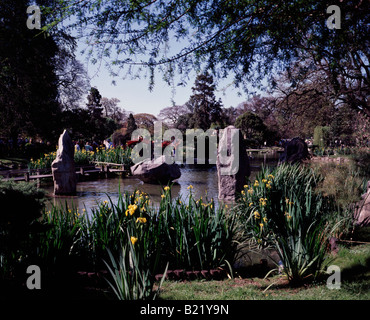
<point>156,171</point>
<point>63,167</point>
<point>362,213</point>
<point>295,151</point>
<point>232,164</point>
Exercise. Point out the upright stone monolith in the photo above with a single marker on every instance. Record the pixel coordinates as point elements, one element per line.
<point>63,167</point>
<point>232,164</point>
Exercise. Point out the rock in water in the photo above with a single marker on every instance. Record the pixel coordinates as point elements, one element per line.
<point>63,167</point>
<point>362,212</point>
<point>232,164</point>
<point>295,151</point>
<point>156,171</point>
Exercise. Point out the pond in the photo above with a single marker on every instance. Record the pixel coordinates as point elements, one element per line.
<point>204,182</point>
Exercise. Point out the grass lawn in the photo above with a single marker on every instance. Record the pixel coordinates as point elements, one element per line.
<point>354,263</point>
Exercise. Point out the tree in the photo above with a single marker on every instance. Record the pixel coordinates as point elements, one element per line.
<point>112,109</point>
<point>252,128</point>
<point>28,80</point>
<point>321,136</point>
<point>94,104</point>
<point>131,125</point>
<point>170,115</point>
<point>203,105</point>
<point>73,82</point>
<point>145,121</point>
<point>252,39</point>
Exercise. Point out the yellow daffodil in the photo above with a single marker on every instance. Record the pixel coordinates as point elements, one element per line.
<point>256,215</point>
<point>166,188</point>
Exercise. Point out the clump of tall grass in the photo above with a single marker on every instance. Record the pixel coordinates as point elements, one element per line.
<point>342,181</point>
<point>138,240</point>
<point>197,234</point>
<point>281,208</point>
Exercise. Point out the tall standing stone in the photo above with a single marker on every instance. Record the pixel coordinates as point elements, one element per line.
<point>63,167</point>
<point>362,212</point>
<point>232,164</point>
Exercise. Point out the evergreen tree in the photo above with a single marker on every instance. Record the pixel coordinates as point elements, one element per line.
<point>203,106</point>
<point>28,80</point>
<point>94,104</point>
<point>131,125</point>
<point>97,127</point>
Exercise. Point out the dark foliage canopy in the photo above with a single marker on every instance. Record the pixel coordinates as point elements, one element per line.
<point>252,38</point>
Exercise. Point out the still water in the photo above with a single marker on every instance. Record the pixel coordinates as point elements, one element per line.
<point>204,182</point>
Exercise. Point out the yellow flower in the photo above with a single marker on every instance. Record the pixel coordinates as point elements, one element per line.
<point>256,183</point>
<point>268,186</point>
<point>131,209</point>
<point>166,188</point>
<point>141,220</point>
<point>162,196</point>
<point>256,215</point>
<point>190,187</point>
<point>243,193</point>
<point>270,176</point>
<point>261,225</point>
<point>250,204</point>
<point>246,186</point>
<point>264,219</point>
<point>250,191</point>
<point>263,201</point>
<point>264,180</point>
<point>133,240</point>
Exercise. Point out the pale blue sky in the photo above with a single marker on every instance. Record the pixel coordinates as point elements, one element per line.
<point>135,95</point>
